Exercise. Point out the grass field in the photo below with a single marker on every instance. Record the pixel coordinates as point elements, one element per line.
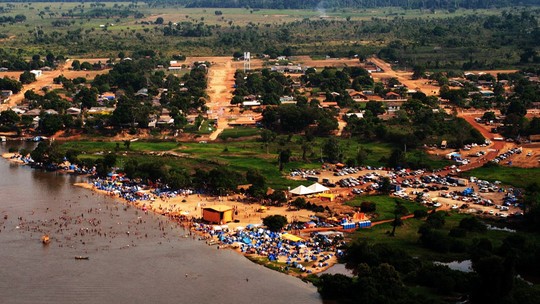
<point>518,177</point>
<point>238,132</point>
<point>407,237</point>
<point>241,155</point>
<point>385,205</point>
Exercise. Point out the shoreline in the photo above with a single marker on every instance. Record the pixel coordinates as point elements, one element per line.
<point>183,209</point>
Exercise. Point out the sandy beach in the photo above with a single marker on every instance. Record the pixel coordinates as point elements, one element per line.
<point>190,207</point>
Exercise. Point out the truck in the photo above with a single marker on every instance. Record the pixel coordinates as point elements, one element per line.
<point>312,178</point>
<point>498,138</point>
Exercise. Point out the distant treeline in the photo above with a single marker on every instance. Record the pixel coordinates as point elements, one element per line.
<point>328,4</point>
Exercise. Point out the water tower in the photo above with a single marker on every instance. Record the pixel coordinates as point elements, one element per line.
<point>247,61</point>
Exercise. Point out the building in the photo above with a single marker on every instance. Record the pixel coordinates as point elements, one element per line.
<point>358,96</point>
<point>175,65</point>
<point>291,69</point>
<point>392,96</point>
<point>37,72</point>
<point>218,214</point>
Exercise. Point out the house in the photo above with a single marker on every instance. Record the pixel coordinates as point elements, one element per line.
<point>107,96</point>
<point>73,111</point>
<point>357,114</point>
<point>100,111</point>
<point>175,65</point>
<point>142,92</point>
<point>373,68</point>
<point>37,73</point>
<point>393,106</point>
<point>329,104</point>
<point>33,112</point>
<point>5,95</point>
<point>247,120</point>
<point>18,110</point>
<point>50,112</point>
<point>165,119</point>
<point>291,69</point>
<point>217,214</point>
<point>392,96</point>
<point>287,100</point>
<point>251,97</point>
<point>253,103</point>
<point>535,137</point>
<point>358,96</point>
<point>487,93</point>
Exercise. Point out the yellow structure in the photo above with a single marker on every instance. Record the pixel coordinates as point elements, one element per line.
<point>218,214</point>
<point>328,196</point>
<point>291,237</point>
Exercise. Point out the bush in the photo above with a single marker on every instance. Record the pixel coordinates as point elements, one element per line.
<point>436,220</point>
<point>472,224</point>
<point>458,232</point>
<point>275,222</point>
<point>368,207</point>
<point>418,214</point>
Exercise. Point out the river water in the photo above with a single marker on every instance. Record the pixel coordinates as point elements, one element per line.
<point>133,257</point>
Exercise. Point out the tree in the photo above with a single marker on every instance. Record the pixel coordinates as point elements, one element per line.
<point>47,153</point>
<point>397,159</point>
<point>418,72</point>
<point>332,150</point>
<point>283,158</point>
<point>258,183</point>
<point>27,77</point>
<point>361,156</point>
<point>87,97</point>
<point>51,123</point>
<point>275,222</point>
<point>489,116</point>
<point>267,137</point>
<point>399,211</point>
<point>159,20</point>
<point>76,65</point>
<point>9,118</point>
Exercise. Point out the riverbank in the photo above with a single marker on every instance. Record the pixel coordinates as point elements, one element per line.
<point>295,258</point>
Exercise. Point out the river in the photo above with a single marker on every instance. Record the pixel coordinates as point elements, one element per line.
<point>133,257</point>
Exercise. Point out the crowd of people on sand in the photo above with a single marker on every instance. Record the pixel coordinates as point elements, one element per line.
<point>314,252</point>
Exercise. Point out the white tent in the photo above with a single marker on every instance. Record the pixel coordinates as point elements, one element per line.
<point>317,188</point>
<point>301,190</point>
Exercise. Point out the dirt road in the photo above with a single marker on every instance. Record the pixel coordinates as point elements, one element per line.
<point>404,77</point>
<point>220,89</point>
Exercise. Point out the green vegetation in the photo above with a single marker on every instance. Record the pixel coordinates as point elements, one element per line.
<point>518,177</point>
<point>238,132</point>
<point>437,37</point>
<point>375,250</point>
<point>385,205</point>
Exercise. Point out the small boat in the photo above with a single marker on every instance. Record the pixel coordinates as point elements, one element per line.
<point>80,257</point>
<point>45,239</point>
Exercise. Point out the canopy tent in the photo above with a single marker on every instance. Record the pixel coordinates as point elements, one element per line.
<point>317,188</point>
<point>301,190</point>
<point>291,237</point>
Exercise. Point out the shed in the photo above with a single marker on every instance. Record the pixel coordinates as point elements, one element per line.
<point>218,214</point>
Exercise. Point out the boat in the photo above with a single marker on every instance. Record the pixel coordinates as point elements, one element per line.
<point>80,257</point>
<point>45,239</point>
